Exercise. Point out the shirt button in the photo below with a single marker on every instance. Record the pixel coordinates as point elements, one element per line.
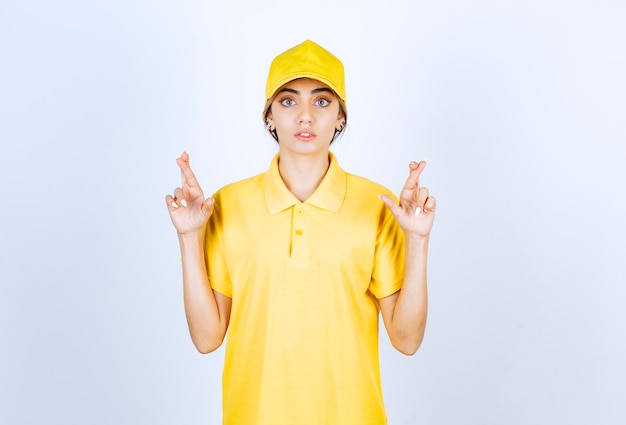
<point>298,232</point>
<point>300,211</point>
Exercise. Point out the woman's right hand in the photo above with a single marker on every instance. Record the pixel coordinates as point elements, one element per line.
<point>188,209</point>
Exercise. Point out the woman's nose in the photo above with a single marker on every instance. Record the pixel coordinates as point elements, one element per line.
<point>305,115</point>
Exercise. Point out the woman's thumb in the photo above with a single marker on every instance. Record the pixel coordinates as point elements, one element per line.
<point>207,206</point>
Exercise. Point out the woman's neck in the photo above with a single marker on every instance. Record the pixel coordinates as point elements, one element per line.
<point>302,174</point>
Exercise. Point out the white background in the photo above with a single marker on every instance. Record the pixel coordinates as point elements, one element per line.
<point>519,106</point>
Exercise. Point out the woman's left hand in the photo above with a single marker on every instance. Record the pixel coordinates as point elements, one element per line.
<point>415,211</point>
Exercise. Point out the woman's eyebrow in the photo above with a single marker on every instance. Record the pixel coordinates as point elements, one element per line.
<point>289,90</point>
<point>321,89</point>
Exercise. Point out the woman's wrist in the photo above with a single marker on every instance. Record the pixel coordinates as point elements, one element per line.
<point>413,238</point>
<point>192,236</point>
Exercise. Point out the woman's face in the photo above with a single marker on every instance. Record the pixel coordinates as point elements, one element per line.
<point>305,114</point>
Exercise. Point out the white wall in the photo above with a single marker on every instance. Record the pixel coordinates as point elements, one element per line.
<point>518,105</point>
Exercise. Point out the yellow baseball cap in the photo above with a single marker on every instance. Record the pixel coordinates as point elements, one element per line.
<point>306,60</point>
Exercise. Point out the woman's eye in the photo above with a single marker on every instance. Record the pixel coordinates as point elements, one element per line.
<point>287,102</point>
<point>322,102</point>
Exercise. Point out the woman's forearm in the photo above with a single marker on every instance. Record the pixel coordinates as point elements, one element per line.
<point>410,309</point>
<point>207,324</point>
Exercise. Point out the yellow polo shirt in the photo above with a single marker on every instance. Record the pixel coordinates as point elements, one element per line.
<point>302,344</point>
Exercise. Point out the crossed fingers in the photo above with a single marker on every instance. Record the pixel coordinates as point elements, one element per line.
<point>189,183</point>
<point>413,196</point>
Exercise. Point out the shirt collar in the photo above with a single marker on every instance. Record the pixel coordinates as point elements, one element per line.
<point>329,195</point>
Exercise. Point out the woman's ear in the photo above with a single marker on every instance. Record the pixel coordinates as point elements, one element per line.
<point>269,122</point>
<point>341,122</point>
<point>270,126</point>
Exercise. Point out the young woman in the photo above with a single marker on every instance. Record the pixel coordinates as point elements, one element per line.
<point>296,263</point>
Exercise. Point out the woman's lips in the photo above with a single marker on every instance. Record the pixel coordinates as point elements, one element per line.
<point>305,135</point>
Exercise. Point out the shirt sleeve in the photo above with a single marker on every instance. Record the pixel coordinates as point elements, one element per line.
<point>219,277</point>
<point>388,271</point>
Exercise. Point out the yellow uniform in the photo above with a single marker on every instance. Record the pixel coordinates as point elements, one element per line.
<point>302,344</point>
